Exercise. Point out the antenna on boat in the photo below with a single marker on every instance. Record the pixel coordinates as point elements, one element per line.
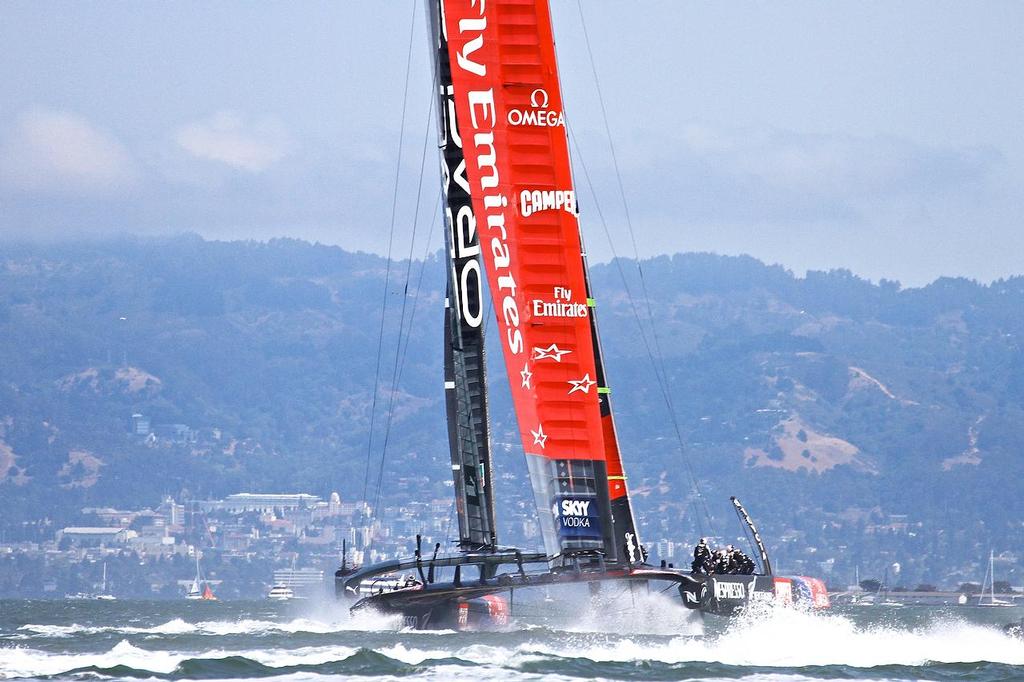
<point>748,525</point>
<point>419,557</point>
<point>430,570</point>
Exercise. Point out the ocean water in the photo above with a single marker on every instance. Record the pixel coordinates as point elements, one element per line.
<point>317,640</point>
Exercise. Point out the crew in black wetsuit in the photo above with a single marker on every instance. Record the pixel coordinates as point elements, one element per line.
<point>743,564</point>
<point>701,557</point>
<point>721,565</point>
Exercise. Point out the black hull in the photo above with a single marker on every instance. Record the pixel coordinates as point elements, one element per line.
<point>481,604</point>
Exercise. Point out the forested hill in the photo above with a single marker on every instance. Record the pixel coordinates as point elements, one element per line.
<point>833,405</point>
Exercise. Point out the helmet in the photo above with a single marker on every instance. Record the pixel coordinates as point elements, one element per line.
<point>703,541</point>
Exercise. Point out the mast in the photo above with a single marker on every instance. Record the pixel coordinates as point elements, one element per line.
<point>464,360</point>
<point>990,580</point>
<point>506,97</point>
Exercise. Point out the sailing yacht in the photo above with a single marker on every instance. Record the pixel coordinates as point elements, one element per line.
<point>512,226</point>
<point>199,589</point>
<point>104,595</point>
<point>990,581</point>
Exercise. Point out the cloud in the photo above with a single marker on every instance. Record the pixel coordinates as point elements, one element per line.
<point>837,166</point>
<point>62,152</point>
<point>227,138</point>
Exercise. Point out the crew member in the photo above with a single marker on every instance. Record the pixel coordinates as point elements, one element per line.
<point>730,560</point>
<point>746,564</point>
<point>701,557</point>
<point>721,565</point>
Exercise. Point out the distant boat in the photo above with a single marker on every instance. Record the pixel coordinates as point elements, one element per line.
<point>990,580</point>
<point>863,600</point>
<point>102,596</point>
<point>281,592</point>
<point>199,589</point>
<point>882,593</point>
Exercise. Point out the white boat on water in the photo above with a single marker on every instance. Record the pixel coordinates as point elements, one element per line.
<point>103,595</point>
<point>281,592</point>
<point>199,589</point>
<point>990,581</point>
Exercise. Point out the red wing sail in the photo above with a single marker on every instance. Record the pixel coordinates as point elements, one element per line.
<point>509,109</point>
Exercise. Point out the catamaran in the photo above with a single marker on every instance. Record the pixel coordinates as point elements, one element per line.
<point>511,217</point>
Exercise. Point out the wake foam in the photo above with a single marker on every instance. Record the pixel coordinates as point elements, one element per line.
<point>638,612</point>
<point>790,637</point>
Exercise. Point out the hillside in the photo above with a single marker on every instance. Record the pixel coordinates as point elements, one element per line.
<point>885,421</point>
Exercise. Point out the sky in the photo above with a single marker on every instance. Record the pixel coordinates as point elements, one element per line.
<point>882,137</point>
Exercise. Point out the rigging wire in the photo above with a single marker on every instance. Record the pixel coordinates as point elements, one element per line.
<point>662,381</point>
<point>395,372</point>
<point>387,272</point>
<point>416,294</point>
<point>659,363</point>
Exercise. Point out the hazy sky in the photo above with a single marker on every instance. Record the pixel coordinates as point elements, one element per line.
<point>884,137</point>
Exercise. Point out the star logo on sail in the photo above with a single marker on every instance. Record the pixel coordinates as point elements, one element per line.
<point>552,352</point>
<point>539,437</point>
<point>583,384</point>
<point>527,375</point>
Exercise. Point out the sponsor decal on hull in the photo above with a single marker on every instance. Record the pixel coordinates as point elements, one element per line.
<point>783,591</point>
<point>730,590</point>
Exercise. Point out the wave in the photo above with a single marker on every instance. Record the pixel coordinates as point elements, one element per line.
<point>127,661</point>
<point>774,645</point>
<point>532,660</point>
<point>242,626</point>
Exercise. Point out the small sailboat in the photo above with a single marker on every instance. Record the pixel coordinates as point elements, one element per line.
<point>882,594</point>
<point>104,595</point>
<point>199,589</point>
<point>990,580</point>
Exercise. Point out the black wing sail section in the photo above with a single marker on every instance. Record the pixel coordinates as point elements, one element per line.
<point>464,364</point>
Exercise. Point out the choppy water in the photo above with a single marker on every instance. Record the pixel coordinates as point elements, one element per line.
<point>310,641</point>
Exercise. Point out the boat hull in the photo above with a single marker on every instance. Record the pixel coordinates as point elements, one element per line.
<point>481,604</point>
